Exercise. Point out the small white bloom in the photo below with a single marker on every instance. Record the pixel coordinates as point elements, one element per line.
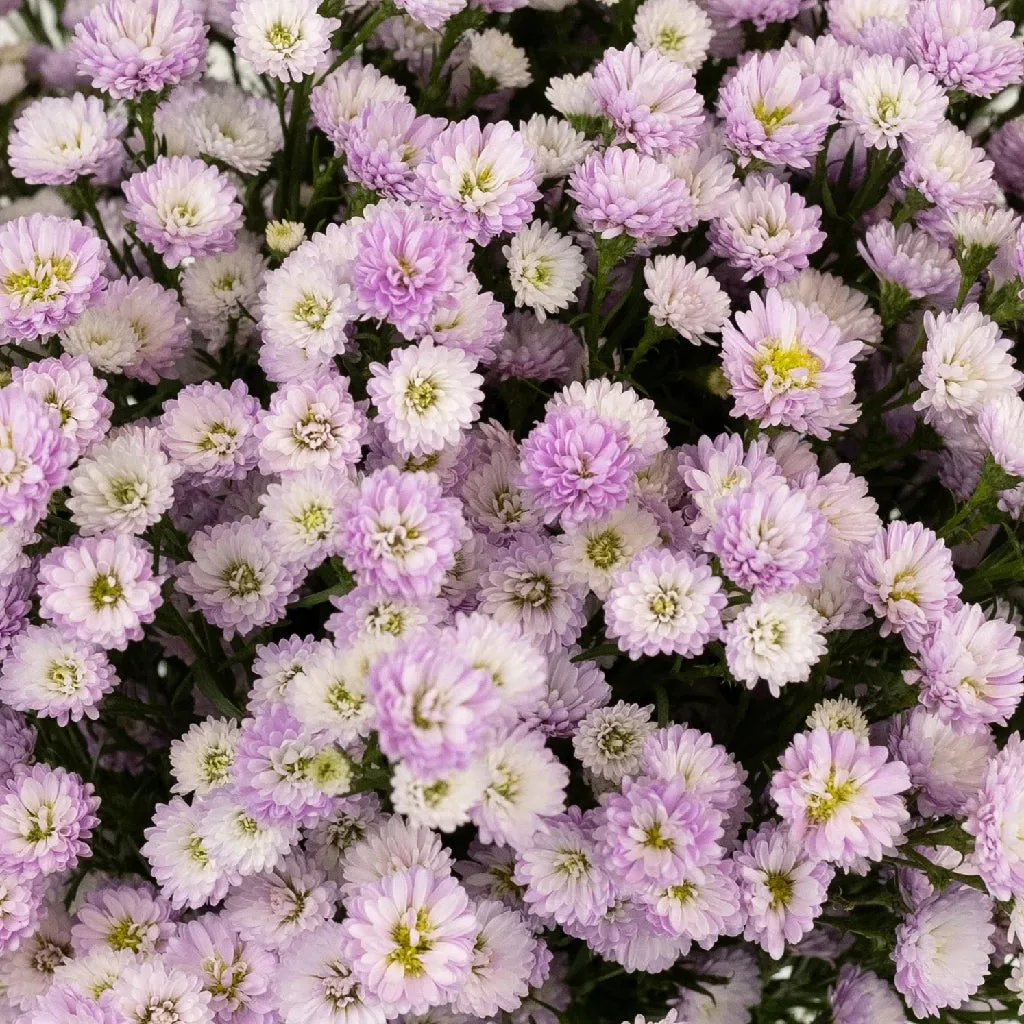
<point>610,741</point>
<point>545,267</point>
<point>847,308</point>
<point>286,39</point>
<point>235,127</point>
<point>677,29</point>
<point>686,298</point>
<point>443,802</point>
<point>571,95</point>
<point>838,713</point>
<point>283,236</point>
<point>556,146</point>
<point>495,56</point>
<point>202,759</point>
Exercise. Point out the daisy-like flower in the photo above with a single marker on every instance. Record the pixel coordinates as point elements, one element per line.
<point>284,236</point>
<point>100,589</point>
<point>545,268</point>
<point>571,95</point>
<point>122,917</point>
<point>735,991</point>
<point>1001,426</point>
<point>202,759</point>
<point>218,290</point>
<point>768,230</point>
<point>237,577</point>
<point>55,675</point>
<point>677,29</point>
<point>651,101</point>
<point>948,170</point>
<point>390,844</point>
<point>911,261</point>
<point>839,796</point>
<point>851,513</point>
<point>620,191</point>
<point>426,397</point>
<point>286,39</point>
<point>887,101</point>
<point>401,533</point>
<point>441,801</point>
<point>685,297</point>
<point>210,431</point>
<point>150,987</point>
<point>29,971</point>
<point>610,740</point>
<point>777,638</point>
<point>861,997</point>
<point>555,145</point>
<point>46,820</point>
<point>235,127</point>
<point>124,485</point>
<point>432,13</point>
<point>345,94</point>
<point>480,179</point>
<point>304,514</point>
<point>239,843</point>
<point>837,713</point>
<point>130,47</point>
<point>20,904</point>
<point>781,888</point>
<point>492,54</point>
<point>367,613</point>
<point>409,938</point>
<point>774,113</point>
<point>573,691</point>
<point>664,603</point>
<point>906,575</point>
<point>50,270</point>
<point>849,310</point>
<point>183,207</point>
<point>942,950</point>
<point>58,139</point>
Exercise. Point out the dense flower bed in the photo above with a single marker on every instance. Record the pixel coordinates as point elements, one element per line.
<point>511,512</point>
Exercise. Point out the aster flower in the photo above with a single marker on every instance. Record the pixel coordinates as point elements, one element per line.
<point>909,260</point>
<point>218,289</point>
<point>942,950</point>
<point>410,966</point>
<point>684,297</point>
<point>731,996</point>
<point>848,309</point>
<point>50,271</point>
<point>887,101</point>
<point>677,29</point>
<point>555,145</point>
<point>202,759</point>
<point>20,905</point>
<point>851,513</point>
<point>236,577</point>
<point>532,350</point>
<point>573,690</point>
<point>432,13</point>
<point>839,796</point>
<point>492,53</point>
<point>235,127</point>
<point>366,613</point>
<point>620,191</point>
<point>130,47</point>
<point>122,917</point>
<point>1001,426</point>
<point>781,888</point>
<point>948,170</point>
<point>481,180</point>
<point>862,997</point>
<point>775,113</point>
<point>100,589</point>
<point>769,230</point>
<point>56,140</point>
<point>906,575</point>
<point>545,268</point>
<point>427,396</point>
<point>149,987</point>
<point>650,100</point>
<point>236,841</point>
<point>17,739</point>
<point>304,514</point>
<point>610,740</point>
<point>401,533</point>
<point>345,94</point>
<point>777,638</point>
<point>285,39</point>
<point>55,675</point>
<point>390,844</point>
<point>183,207</point>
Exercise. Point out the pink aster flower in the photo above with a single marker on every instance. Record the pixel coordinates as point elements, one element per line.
<point>651,101</point>
<point>664,603</point>
<point>409,938</point>
<point>910,259</point>
<point>21,899</point>
<point>839,796</point>
<point>730,13</point>
<point>948,169</point>
<point>480,179</point>
<point>128,47</point>
<point>100,589</point>
<point>34,456</point>
<point>769,230</point>
<point>1001,427</point>
<point>787,366</point>
<point>50,270</point>
<point>432,13</point>
<point>782,889</point>
<point>775,113</point>
<point>620,191</point>
<point>1006,148</point>
<point>345,93</point>
<point>237,578</point>
<point>183,207</point>
<point>285,39</point>
<point>46,820</point>
<point>862,997</point>
<point>906,575</point>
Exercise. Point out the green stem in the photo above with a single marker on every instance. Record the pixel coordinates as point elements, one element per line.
<point>366,29</point>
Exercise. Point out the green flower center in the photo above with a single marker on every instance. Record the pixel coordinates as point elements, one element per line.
<point>281,37</point>
<point>241,579</point>
<point>664,605</point>
<point>771,119</point>
<point>822,807</point>
<point>421,393</point>
<point>40,281</point>
<point>126,934</point>
<point>605,549</point>
<point>411,943</point>
<point>65,675</point>
<point>105,591</point>
<point>216,765</point>
<point>780,887</point>
<point>312,311</point>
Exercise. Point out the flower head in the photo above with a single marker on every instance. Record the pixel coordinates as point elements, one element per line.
<point>285,39</point>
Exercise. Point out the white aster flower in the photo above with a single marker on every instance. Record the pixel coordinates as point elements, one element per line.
<point>240,844</point>
<point>610,741</point>
<point>237,128</point>
<point>545,267</point>
<point>442,802</point>
<point>684,297</point>
<point>202,759</point>
<point>555,145</point>
<point>677,29</point>
<point>286,39</point>
<point>838,713</point>
<point>571,95</point>
<point>496,57</point>
<point>148,991</point>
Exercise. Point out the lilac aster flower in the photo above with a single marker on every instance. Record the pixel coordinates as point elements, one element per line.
<point>432,13</point>
<point>970,669</point>
<point>769,230</point>
<point>650,100</point>
<point>16,593</point>
<point>861,997</point>
<point>943,949</point>
<point>285,39</point>
<point>128,47</point>
<point>183,207</point>
<point>17,740</point>
<point>963,47</point>
<point>434,709</point>
<point>237,577</point>
<point>345,93</point>
<point>781,887</point>
<point>20,905</point>
<point>56,140</point>
<point>63,1001</point>
<point>409,938</point>
<point>911,260</point>
<point>402,534</point>
<point>906,575</point>
<point>100,589</point>
<point>34,456</point>
<point>775,113</point>
<point>700,905</point>
<point>573,691</point>
<point>769,538</point>
<point>653,831</point>
<point>728,13</point>
<point>1001,427</point>
<point>122,916</point>
<point>577,465</point>
<point>664,603</point>
<point>1006,147</point>
<point>46,820</point>
<point>948,169</point>
<point>480,179</point>
<point>619,191</point>
<point>50,270</point>
<point>787,366</point>
<point>839,796</point>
